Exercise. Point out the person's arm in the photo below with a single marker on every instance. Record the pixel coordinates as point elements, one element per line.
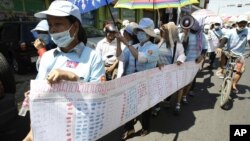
<point>133,51</point>
<point>221,44</point>
<point>118,49</point>
<point>181,57</point>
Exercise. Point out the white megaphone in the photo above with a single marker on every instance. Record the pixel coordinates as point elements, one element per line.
<point>189,22</point>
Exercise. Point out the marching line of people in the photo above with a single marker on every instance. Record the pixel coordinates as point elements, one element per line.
<point>138,48</point>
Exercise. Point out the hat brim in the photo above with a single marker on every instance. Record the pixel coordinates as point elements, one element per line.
<point>51,12</point>
<point>38,29</point>
<point>150,32</point>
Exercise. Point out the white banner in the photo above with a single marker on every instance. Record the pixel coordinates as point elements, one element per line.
<point>76,111</point>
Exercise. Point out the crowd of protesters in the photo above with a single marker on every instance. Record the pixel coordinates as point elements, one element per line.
<point>137,48</point>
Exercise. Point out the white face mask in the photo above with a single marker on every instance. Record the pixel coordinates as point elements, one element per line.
<point>45,38</point>
<point>206,31</point>
<point>240,29</point>
<point>62,39</point>
<point>142,36</point>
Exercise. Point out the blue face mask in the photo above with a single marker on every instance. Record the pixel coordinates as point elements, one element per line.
<point>62,39</point>
<point>45,38</point>
<point>142,36</point>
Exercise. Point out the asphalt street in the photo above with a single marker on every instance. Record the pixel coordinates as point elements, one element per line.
<point>200,120</point>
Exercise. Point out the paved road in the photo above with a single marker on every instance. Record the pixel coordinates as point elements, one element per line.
<point>201,120</point>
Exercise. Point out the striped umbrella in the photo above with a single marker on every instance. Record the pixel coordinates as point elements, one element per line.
<point>152,4</point>
<point>89,5</point>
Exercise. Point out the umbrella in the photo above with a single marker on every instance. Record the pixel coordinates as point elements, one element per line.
<point>89,5</point>
<point>213,19</point>
<point>152,4</point>
<point>203,13</point>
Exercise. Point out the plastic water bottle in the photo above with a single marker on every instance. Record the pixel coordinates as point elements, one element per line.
<point>25,107</point>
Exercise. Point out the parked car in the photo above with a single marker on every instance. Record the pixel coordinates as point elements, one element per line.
<point>17,47</point>
<point>8,106</point>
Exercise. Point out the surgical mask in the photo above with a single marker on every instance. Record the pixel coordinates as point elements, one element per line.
<point>240,29</point>
<point>206,31</point>
<point>62,39</point>
<point>141,36</point>
<point>45,38</point>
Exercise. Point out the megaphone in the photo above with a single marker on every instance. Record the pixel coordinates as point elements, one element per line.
<point>187,21</point>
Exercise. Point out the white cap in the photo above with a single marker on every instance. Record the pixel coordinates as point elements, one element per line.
<point>147,25</point>
<point>61,9</point>
<point>41,26</point>
<point>242,18</point>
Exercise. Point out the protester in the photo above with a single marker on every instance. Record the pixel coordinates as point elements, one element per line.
<point>131,38</point>
<point>106,48</point>
<point>213,36</point>
<point>236,41</point>
<point>216,35</point>
<point>195,45</point>
<point>67,33</point>
<point>43,40</point>
<point>170,51</point>
<point>141,57</point>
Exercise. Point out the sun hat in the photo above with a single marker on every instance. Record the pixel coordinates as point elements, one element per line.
<point>61,9</point>
<point>130,27</point>
<point>242,18</point>
<point>147,25</point>
<point>41,26</point>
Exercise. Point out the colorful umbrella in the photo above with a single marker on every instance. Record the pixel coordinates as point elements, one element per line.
<point>89,5</point>
<point>152,4</point>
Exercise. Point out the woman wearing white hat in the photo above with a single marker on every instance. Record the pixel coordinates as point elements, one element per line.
<point>146,55</point>
<point>71,60</point>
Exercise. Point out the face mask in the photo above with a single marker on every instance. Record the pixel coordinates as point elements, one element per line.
<point>206,31</point>
<point>62,39</point>
<point>44,37</point>
<point>141,36</point>
<point>240,29</point>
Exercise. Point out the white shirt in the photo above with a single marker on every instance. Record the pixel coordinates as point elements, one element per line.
<point>107,50</point>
